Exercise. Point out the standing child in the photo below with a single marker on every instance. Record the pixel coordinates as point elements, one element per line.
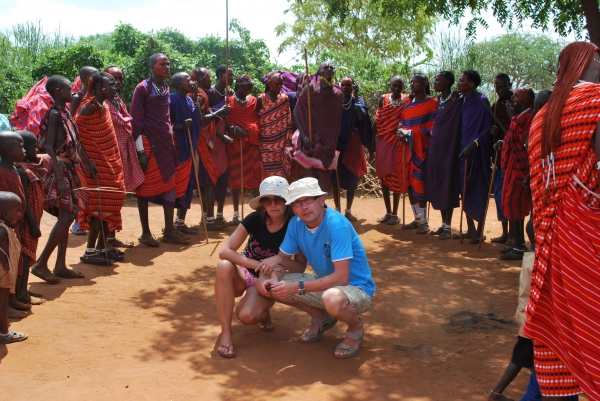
<point>84,75</point>
<point>32,172</point>
<point>10,251</point>
<point>59,138</point>
<point>11,151</point>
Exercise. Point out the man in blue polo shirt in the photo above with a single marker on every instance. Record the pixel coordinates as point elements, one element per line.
<point>342,286</point>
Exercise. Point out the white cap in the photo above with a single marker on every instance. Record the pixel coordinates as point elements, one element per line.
<point>276,186</point>
<point>304,187</point>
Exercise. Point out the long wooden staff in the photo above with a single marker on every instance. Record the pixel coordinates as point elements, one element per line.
<point>403,189</point>
<point>227,101</point>
<point>198,184</point>
<point>308,94</point>
<point>462,203</point>
<point>101,222</point>
<point>487,204</point>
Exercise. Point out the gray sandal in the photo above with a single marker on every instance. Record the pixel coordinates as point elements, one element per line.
<point>325,323</point>
<point>423,228</point>
<point>353,335</point>
<point>12,337</point>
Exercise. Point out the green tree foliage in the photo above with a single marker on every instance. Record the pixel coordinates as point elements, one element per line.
<point>246,55</point>
<point>67,61</point>
<point>529,59</point>
<point>27,54</point>
<point>564,16</point>
<point>126,40</point>
<point>360,28</point>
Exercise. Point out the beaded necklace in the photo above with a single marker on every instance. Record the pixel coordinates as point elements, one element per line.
<point>346,106</point>
<point>240,101</point>
<point>158,91</point>
<point>395,103</point>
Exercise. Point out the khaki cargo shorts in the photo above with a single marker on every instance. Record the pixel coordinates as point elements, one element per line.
<point>356,296</point>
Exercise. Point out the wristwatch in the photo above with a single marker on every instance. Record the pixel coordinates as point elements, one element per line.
<point>301,289</point>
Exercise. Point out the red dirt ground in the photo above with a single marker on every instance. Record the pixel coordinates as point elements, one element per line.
<point>441,326</point>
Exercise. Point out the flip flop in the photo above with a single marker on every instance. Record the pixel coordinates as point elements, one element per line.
<point>47,277</point>
<point>174,238</point>
<point>385,218</point>
<point>96,258</point>
<point>183,228</point>
<point>512,255</point>
<point>12,337</point>
<point>423,228</point>
<point>438,231</point>
<point>71,273</point>
<point>117,243</point>
<point>465,235</point>
<point>412,225</point>
<point>446,234</point>
<point>148,241</point>
<point>393,220</point>
<point>475,241</point>
<point>227,355</point>
<point>113,253</point>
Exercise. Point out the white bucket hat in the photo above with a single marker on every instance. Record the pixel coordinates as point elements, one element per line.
<point>270,186</point>
<point>304,187</point>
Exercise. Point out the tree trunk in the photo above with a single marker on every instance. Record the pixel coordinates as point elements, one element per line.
<point>592,19</point>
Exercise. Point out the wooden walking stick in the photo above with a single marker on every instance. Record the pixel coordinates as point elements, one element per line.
<point>308,95</point>
<point>226,99</point>
<point>242,173</point>
<point>403,189</point>
<point>198,184</point>
<point>101,222</point>
<point>487,204</point>
<point>339,192</point>
<point>462,203</point>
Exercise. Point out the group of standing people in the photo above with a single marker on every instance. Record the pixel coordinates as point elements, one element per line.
<point>445,150</point>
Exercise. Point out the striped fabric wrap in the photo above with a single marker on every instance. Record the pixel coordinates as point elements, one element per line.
<point>288,78</point>
<point>11,181</point>
<point>208,168</point>
<point>35,201</point>
<point>275,121</point>
<point>326,115</point>
<point>353,135</point>
<point>564,305</point>
<point>418,117</point>
<point>151,119</point>
<point>30,110</point>
<point>219,151</point>
<point>132,172</point>
<point>181,109</point>
<point>247,119</point>
<point>516,199</point>
<point>154,188</point>
<point>98,139</point>
<point>389,156</point>
<point>69,150</point>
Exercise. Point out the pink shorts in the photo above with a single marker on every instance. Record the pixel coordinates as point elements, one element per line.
<point>250,279</point>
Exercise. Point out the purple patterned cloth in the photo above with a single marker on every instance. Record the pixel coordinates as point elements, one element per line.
<point>151,118</point>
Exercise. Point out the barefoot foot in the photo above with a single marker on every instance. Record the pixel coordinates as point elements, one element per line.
<point>15,314</point>
<point>44,273</point>
<point>15,304</point>
<point>497,397</point>
<point>64,272</point>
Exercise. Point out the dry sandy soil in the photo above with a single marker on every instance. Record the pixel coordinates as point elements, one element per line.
<point>441,326</point>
